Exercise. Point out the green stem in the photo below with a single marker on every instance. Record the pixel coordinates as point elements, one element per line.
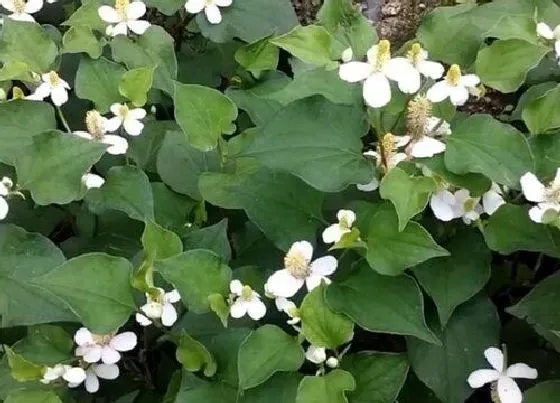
<point>63,120</point>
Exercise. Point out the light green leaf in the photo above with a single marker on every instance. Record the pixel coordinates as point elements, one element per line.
<point>330,388</point>
<point>204,114</point>
<point>52,167</point>
<point>160,243</point>
<point>87,16</point>
<point>194,356</point>
<point>547,155</point>
<point>311,136</point>
<point>22,370</point>
<point>80,39</point>
<point>258,56</point>
<point>398,307</point>
<point>126,189</point>
<point>267,350</point>
<point>452,280</point>
<point>510,229</point>
<point>45,344</point>
<point>482,144</point>
<point>196,274</point>
<point>391,252</point>
<point>540,115</point>
<point>444,368</point>
<point>98,80</point>
<point>408,194</point>
<point>544,392</point>
<point>504,64</point>
<point>32,396</point>
<point>95,286</point>
<point>249,20</point>
<point>320,325</point>
<point>312,44</point>
<point>528,96</point>
<point>136,83</point>
<point>214,238</point>
<point>154,48</point>
<point>508,26</point>
<point>24,256</point>
<point>379,376</point>
<point>29,43</point>
<point>14,70</point>
<point>21,120</point>
<point>220,307</point>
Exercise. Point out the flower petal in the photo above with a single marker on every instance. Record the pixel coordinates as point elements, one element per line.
<point>83,337</point>
<point>238,309</point>
<point>195,6</point>
<point>458,95</point>
<point>481,377</point>
<point>92,181</point>
<point>124,341</point>
<point>33,6</point>
<point>376,90</point>
<point>433,70</point>
<point>118,145</point>
<point>508,391</point>
<point>313,281</point>
<point>256,309</point>
<point>133,127</point>
<point>469,80</point>
<point>136,9</point>
<point>346,215</point>
<point>236,287</point>
<point>353,72</point>
<point>442,204</point>
<point>223,3</point>
<point>544,31</point>
<point>109,14</point>
<point>106,371</point>
<point>109,355</point>
<point>74,375</point>
<point>169,315</point>
<point>120,29</point>
<point>93,353</point>
<point>333,233</point>
<point>8,5</point>
<point>491,201</point>
<point>138,27</point>
<point>172,296</point>
<point>213,14</point>
<point>426,147</point>
<point>324,266</point>
<point>536,214</point>
<point>532,188</point>
<point>370,186</point>
<point>438,92</point>
<point>495,357</point>
<point>303,247</point>
<point>521,370</point>
<point>137,113</point>
<point>4,208</point>
<point>143,320</point>
<point>283,284</point>
<point>315,354</point>
<point>92,381</point>
<point>113,124</point>
<point>42,91</point>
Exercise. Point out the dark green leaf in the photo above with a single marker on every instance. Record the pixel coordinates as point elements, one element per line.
<point>213,238</point>
<point>330,388</point>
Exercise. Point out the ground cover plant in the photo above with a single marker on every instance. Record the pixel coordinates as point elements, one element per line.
<point>206,201</point>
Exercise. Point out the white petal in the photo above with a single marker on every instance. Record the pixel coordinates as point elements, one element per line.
<point>22,17</point>
<point>333,233</point>
<point>75,375</point>
<point>42,91</point>
<point>223,3</point>
<point>544,31</point>
<point>303,247</point>
<point>557,48</point>
<point>324,266</point>
<point>313,281</point>
<point>124,341</point>
<point>152,309</point>
<point>556,181</point>
<point>92,382</point>
<point>536,214</point>
<point>438,92</point>
<point>236,287</point>
<point>458,95</point>
<point>347,215</point>
<point>118,145</point>
<point>137,113</point>
<point>195,6</point>
<point>113,124</point>
<point>213,14</point>
<point>397,67</point>
<point>284,304</point>
<point>92,181</point>
<point>8,5</point>
<point>109,355</point>
<point>353,72</point>
<point>398,157</point>
<point>469,80</point>
<point>491,201</point>
<point>169,315</point>
<point>92,353</point>
<point>256,309</point>
<point>106,371</point>
<point>410,82</point>
<point>426,147</point>
<point>83,336</point>
<point>172,296</point>
<point>369,187</point>
<point>508,391</point>
<point>109,14</point>
<point>433,70</point>
<point>4,208</point>
<point>120,29</point>
<point>481,377</point>
<point>495,357</point>
<point>32,6</point>
<point>521,370</point>
<point>238,309</point>
<point>377,90</point>
<point>59,95</point>
<point>138,27</point>
<point>283,284</point>
<point>315,354</point>
<point>532,188</point>
<point>142,320</point>
<point>133,127</point>
<point>135,10</point>
<point>442,204</point>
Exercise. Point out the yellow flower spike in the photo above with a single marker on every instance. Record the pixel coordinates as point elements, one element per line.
<point>94,123</point>
<point>383,53</point>
<point>54,78</point>
<point>122,7</point>
<point>414,54</point>
<point>454,75</point>
<point>417,113</point>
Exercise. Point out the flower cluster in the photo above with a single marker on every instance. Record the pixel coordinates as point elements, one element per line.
<point>159,306</point>
<point>6,186</point>
<point>547,197</point>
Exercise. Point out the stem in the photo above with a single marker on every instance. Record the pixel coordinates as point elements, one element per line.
<point>63,119</point>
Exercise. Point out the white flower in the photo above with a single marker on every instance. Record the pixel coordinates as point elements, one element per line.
<point>125,15</point>
<point>298,269</point>
<point>159,307</point>
<point>316,355</point>
<point>454,86</point>
<point>345,220</point>
<point>21,9</point>
<point>332,362</point>
<point>492,199</point>
<point>442,204</point>
<point>104,348</point>
<point>347,55</point>
<point>6,185</point>
<point>547,197</point>
<point>92,181</point>
<point>377,72</point>
<point>387,155</point>
<point>52,86</point>
<point>553,35</point>
<point>128,118</point>
<point>96,371</point>
<point>502,378</point>
<point>72,375</point>
<point>289,308</point>
<point>448,206</point>
<point>210,7</point>
<point>246,301</point>
<point>428,145</point>
<point>97,127</point>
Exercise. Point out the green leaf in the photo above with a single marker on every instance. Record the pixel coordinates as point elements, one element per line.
<point>15,70</point>
<point>379,376</point>
<point>27,43</point>
<point>204,114</point>
<point>21,120</point>
<point>220,307</point>
<point>391,252</point>
<point>528,96</point>
<point>282,206</point>
<point>194,356</point>
<point>482,144</point>
<point>544,392</point>
<point>214,238</point>
<point>540,114</point>
<point>45,344</point>
<point>22,369</point>
<point>280,388</point>
<point>196,274</point>
<point>504,64</point>
<point>98,80</point>
<point>510,229</point>
<point>126,189</point>
<point>258,56</point>
<point>398,307</point>
<point>154,48</point>
<point>408,194</point>
<point>32,396</point>
<point>535,307</point>
<point>160,243</point>
<point>80,39</point>
<point>311,44</point>
<point>95,286</point>
<point>309,137</point>
<point>249,20</point>
<point>472,328</point>
<point>452,280</point>
<point>330,388</point>
<point>24,256</point>
<point>514,27</point>
<point>52,167</point>
<point>172,210</point>
<point>547,155</point>
<point>167,7</point>
<point>267,350</point>
<point>87,16</point>
<point>136,83</point>
<point>320,325</point>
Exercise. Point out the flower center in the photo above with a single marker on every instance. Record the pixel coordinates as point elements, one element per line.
<point>94,124</point>
<point>418,111</point>
<point>470,204</point>
<point>415,53</point>
<point>552,193</point>
<point>209,2</point>
<point>453,76</point>
<point>296,263</point>
<point>102,339</point>
<point>122,8</point>
<point>19,6</point>
<point>54,79</point>
<point>383,54</point>
<point>123,111</point>
<point>388,149</point>
<point>246,293</point>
